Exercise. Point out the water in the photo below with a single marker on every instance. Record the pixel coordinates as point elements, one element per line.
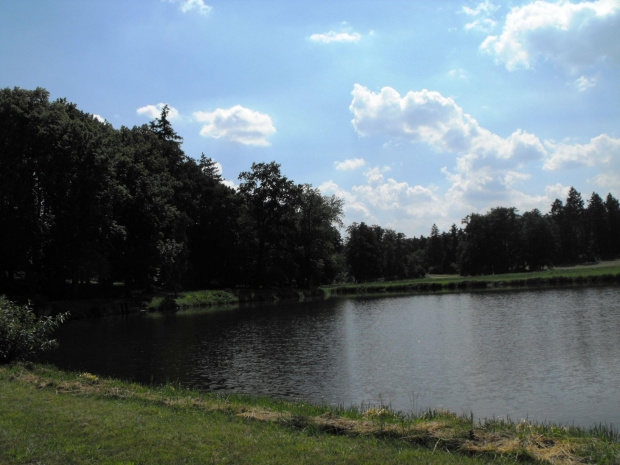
<point>550,355</point>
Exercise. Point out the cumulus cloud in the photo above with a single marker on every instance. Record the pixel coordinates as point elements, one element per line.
<point>388,202</point>
<point>429,117</point>
<point>154,111</point>
<point>571,35</point>
<point>332,36</point>
<point>350,164</point>
<point>483,169</point>
<point>602,151</point>
<point>197,6</point>
<point>99,118</point>
<point>237,124</point>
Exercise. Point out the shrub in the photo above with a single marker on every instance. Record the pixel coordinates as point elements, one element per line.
<point>22,335</point>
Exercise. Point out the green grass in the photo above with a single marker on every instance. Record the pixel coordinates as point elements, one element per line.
<point>53,417</point>
<point>203,298</point>
<point>602,273</point>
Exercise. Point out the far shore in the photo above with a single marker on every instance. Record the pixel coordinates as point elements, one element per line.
<point>591,274</point>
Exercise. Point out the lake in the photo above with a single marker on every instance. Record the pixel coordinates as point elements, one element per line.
<point>545,355</point>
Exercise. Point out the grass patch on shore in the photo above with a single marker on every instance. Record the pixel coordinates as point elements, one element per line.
<point>202,298</point>
<point>50,416</point>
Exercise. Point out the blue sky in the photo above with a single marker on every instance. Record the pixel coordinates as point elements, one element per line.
<point>414,112</point>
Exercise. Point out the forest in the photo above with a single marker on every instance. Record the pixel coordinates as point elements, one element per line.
<point>87,209</point>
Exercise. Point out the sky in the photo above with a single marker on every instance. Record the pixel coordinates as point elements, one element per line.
<point>413,112</point>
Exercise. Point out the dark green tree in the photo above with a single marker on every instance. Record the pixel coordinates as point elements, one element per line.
<point>317,238</point>
<point>267,224</point>
<point>539,241</point>
<point>364,252</point>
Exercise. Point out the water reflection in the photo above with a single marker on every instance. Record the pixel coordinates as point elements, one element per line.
<point>546,355</point>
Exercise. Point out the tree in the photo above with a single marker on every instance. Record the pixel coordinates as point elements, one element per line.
<point>23,336</point>
<point>569,219</point>
<point>612,208</point>
<point>268,223</point>
<point>491,243</point>
<point>214,210</point>
<point>596,227</point>
<point>363,252</point>
<point>318,239</point>
<point>434,251</point>
<point>539,240</point>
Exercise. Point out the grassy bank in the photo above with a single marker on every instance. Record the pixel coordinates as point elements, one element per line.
<point>583,275</point>
<point>599,274</point>
<point>49,416</point>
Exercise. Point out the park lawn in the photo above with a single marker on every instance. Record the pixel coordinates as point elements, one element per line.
<point>53,417</point>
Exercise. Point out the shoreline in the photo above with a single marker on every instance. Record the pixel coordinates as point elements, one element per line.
<point>602,274</point>
<point>440,433</point>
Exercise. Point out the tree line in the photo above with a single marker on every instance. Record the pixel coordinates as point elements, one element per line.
<point>82,202</point>
<point>500,241</point>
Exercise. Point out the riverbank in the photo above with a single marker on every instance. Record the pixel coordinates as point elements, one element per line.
<point>50,416</point>
<point>603,273</point>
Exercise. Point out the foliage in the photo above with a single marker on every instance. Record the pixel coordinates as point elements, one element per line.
<point>22,335</point>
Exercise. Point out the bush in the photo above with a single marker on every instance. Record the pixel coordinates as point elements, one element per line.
<point>22,335</point>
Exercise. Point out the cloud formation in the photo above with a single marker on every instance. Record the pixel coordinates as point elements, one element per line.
<point>350,164</point>
<point>482,13</point>
<point>154,111</point>
<point>488,170</point>
<point>99,118</point>
<point>237,124</point>
<point>429,117</point>
<point>602,151</point>
<point>197,6</point>
<point>572,35</point>
<point>332,36</point>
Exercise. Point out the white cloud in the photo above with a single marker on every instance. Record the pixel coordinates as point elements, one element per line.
<point>486,8</point>
<point>489,170</point>
<point>231,184</point>
<point>483,13</point>
<point>484,25</point>
<point>198,6</point>
<point>571,35</point>
<point>458,73</point>
<point>584,83</point>
<point>237,124</point>
<point>154,111</point>
<point>390,203</point>
<point>350,164</point>
<point>99,118</point>
<point>602,151</point>
<point>429,117</point>
<point>333,36</point>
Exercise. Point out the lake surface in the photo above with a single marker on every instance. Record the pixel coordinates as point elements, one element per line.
<point>549,355</point>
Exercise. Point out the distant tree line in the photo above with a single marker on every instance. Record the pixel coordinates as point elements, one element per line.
<point>500,241</point>
<point>82,202</point>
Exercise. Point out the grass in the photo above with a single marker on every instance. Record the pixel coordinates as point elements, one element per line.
<point>203,298</point>
<point>50,416</point>
<point>602,273</point>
